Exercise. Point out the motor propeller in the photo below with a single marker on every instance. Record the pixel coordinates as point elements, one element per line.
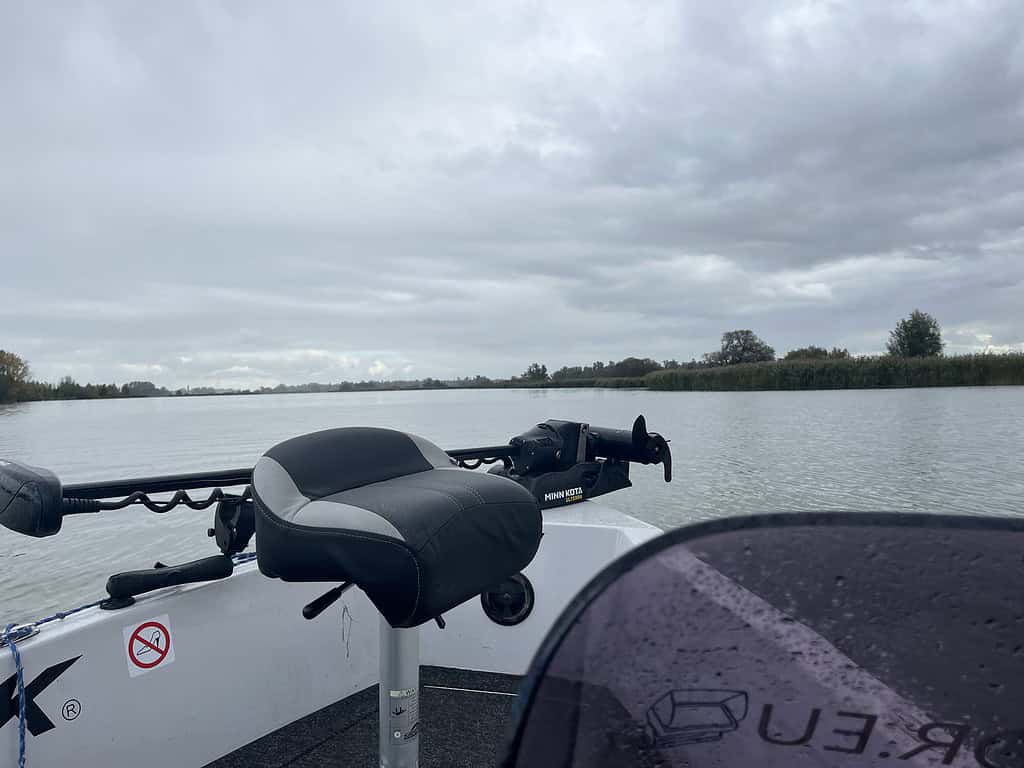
<point>638,445</point>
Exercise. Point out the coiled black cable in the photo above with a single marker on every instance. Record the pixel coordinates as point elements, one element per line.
<point>180,498</point>
<point>477,463</point>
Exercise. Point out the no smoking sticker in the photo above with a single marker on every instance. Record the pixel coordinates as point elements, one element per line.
<point>148,645</point>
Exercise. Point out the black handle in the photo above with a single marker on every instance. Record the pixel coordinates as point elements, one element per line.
<point>131,583</point>
<point>325,601</point>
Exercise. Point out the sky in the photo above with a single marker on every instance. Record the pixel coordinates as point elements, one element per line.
<point>243,194</point>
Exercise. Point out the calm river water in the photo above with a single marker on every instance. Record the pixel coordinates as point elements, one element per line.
<point>929,450</point>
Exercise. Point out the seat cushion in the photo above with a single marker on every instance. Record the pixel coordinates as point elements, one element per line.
<point>389,512</point>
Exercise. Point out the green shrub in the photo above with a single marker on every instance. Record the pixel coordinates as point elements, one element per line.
<point>848,373</point>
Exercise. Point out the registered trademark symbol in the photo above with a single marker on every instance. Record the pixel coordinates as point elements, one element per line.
<point>72,708</point>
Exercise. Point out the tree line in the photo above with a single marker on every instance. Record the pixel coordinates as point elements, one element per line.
<point>918,335</point>
<point>742,361</point>
<point>914,359</point>
<point>16,384</point>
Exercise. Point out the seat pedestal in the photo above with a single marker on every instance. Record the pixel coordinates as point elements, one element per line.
<point>399,699</point>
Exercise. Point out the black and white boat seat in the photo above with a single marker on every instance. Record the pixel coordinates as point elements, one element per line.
<point>391,513</point>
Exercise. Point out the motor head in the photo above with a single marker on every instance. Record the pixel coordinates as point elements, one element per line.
<point>559,445</point>
<point>30,499</point>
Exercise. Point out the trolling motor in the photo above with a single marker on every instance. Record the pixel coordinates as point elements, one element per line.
<point>559,462</point>
<point>564,462</point>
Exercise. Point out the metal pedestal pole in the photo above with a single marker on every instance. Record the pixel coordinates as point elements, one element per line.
<point>399,699</point>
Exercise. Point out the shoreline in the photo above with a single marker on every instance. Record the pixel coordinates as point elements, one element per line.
<point>797,375</point>
<point>636,388</point>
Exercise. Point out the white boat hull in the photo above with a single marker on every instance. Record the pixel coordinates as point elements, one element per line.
<point>241,661</point>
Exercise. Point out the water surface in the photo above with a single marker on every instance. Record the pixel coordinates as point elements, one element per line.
<point>925,450</point>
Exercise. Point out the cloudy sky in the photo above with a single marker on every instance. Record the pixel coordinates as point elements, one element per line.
<point>248,193</point>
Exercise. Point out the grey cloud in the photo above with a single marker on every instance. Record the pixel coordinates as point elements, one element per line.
<point>274,194</point>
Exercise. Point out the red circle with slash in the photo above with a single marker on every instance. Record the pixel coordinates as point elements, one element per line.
<point>151,645</point>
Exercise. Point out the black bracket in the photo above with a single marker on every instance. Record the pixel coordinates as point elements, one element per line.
<point>581,481</point>
<point>234,523</point>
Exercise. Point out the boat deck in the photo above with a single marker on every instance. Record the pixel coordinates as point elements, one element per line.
<point>465,717</point>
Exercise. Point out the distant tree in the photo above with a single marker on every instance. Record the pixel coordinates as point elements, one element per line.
<point>566,373</point>
<point>632,367</point>
<point>918,335</point>
<point>536,372</point>
<point>817,353</point>
<point>740,346</point>
<point>807,353</point>
<point>669,365</point>
<point>68,389</point>
<point>14,376</point>
<point>139,389</point>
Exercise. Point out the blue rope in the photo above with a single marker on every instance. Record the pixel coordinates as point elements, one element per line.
<point>65,614</point>
<point>19,674</point>
<point>10,636</point>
